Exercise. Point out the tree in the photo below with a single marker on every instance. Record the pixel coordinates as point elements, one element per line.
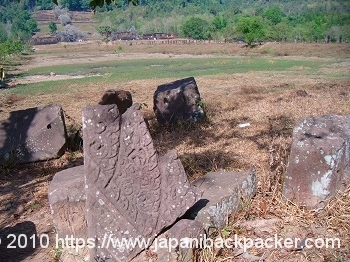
<point>53,27</point>
<point>100,3</point>
<point>105,31</point>
<point>251,28</point>
<point>274,14</point>
<point>220,22</point>
<point>196,28</point>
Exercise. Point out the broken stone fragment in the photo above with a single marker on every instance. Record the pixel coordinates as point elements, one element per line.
<point>319,162</point>
<point>177,101</point>
<point>33,134</point>
<point>222,196</point>
<point>67,202</point>
<point>121,98</point>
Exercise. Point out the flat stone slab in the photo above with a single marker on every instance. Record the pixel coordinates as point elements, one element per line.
<point>33,134</point>
<point>222,193</point>
<point>67,202</point>
<point>319,162</point>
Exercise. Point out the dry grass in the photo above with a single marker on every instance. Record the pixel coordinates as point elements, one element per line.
<point>272,103</point>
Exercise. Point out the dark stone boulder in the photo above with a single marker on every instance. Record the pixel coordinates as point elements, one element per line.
<point>177,101</point>
<point>121,98</point>
<point>319,162</point>
<point>33,134</point>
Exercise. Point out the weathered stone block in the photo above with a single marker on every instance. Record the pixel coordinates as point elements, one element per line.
<point>179,100</point>
<point>33,134</point>
<point>121,98</point>
<point>67,202</point>
<point>174,244</point>
<point>222,194</point>
<point>319,162</point>
<point>131,192</point>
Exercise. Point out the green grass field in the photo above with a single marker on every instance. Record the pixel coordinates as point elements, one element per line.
<point>127,70</point>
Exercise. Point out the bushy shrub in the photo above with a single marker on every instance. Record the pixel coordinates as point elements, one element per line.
<point>65,19</point>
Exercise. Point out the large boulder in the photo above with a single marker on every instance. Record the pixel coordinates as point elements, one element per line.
<point>319,162</point>
<point>121,98</point>
<point>131,192</point>
<point>67,202</point>
<point>33,134</point>
<point>177,101</point>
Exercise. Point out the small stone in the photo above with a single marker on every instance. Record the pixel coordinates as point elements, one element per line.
<point>121,98</point>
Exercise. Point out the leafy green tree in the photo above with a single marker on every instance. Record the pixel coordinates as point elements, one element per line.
<point>252,29</point>
<point>220,22</point>
<point>105,31</point>
<point>10,47</point>
<point>3,33</point>
<point>53,27</point>
<point>274,14</point>
<point>196,28</point>
<point>44,4</point>
<point>23,26</point>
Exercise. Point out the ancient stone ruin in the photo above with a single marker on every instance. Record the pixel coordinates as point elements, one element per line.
<point>177,101</point>
<point>319,162</point>
<point>131,192</point>
<point>33,134</point>
<point>125,190</point>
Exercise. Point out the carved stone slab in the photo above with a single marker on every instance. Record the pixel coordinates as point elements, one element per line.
<point>131,192</point>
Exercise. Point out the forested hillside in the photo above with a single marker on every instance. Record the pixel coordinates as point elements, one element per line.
<point>261,20</point>
<point>222,20</point>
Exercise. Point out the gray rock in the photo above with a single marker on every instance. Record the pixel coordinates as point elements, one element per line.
<point>121,98</point>
<point>319,160</point>
<point>222,194</point>
<point>33,134</point>
<point>67,203</point>
<point>131,192</point>
<point>177,101</point>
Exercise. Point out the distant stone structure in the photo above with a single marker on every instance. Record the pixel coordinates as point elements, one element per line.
<point>319,162</point>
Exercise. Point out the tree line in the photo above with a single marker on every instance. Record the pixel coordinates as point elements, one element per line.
<point>222,20</point>
<point>16,26</point>
<point>236,20</point>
